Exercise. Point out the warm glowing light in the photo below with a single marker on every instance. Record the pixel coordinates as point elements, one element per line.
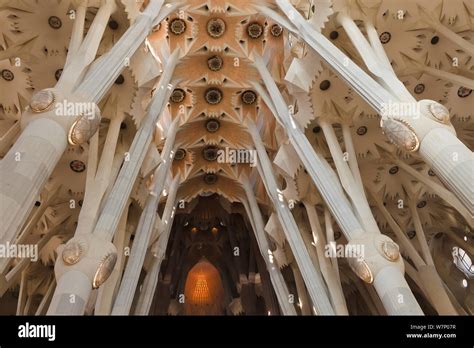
<point>201,291</point>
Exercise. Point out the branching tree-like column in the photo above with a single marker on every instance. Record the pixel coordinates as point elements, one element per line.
<point>158,250</point>
<point>425,128</point>
<point>381,263</point>
<point>87,260</point>
<point>127,290</point>
<point>256,220</point>
<point>314,282</point>
<point>124,299</point>
<point>48,127</point>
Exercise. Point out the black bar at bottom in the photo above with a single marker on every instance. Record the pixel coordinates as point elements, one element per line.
<point>382,331</point>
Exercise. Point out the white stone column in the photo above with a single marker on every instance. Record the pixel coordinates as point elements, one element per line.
<point>278,282</point>
<point>30,162</point>
<point>103,72</point>
<point>148,290</point>
<point>24,171</point>
<point>427,129</point>
<point>314,282</point>
<point>111,212</point>
<point>318,169</point>
<point>379,251</point>
<point>126,293</point>
<point>452,162</point>
<point>90,259</point>
<point>158,249</point>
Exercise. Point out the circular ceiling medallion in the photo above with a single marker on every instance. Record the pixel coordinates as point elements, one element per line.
<point>210,178</point>
<point>215,63</point>
<point>216,27</point>
<point>385,37</point>
<point>77,166</point>
<point>7,75</point>
<point>55,22</point>
<point>213,125</point>
<point>362,130</point>
<point>419,88</point>
<point>249,97</point>
<point>213,96</point>
<point>276,30</point>
<point>178,95</point>
<point>255,30</point>
<point>464,92</point>
<point>210,153</point>
<point>178,26</point>
<point>180,154</point>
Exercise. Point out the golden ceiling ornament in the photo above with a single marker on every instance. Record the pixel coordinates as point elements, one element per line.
<point>178,95</point>
<point>400,133</point>
<point>180,154</point>
<point>439,112</point>
<point>215,63</point>
<point>210,178</point>
<point>390,250</point>
<point>216,27</point>
<point>210,153</point>
<point>249,97</point>
<point>85,127</point>
<point>213,96</point>
<point>104,270</point>
<point>73,251</point>
<point>255,30</point>
<point>42,101</point>
<point>361,269</point>
<point>213,125</point>
<point>177,26</point>
<point>276,30</point>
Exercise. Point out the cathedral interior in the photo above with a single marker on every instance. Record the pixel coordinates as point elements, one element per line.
<point>236,157</point>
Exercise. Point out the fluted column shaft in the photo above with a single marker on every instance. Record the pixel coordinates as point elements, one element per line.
<point>436,139</point>
<point>330,189</point>
<point>29,163</point>
<point>115,203</point>
<point>278,282</point>
<point>124,299</point>
<point>314,282</point>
